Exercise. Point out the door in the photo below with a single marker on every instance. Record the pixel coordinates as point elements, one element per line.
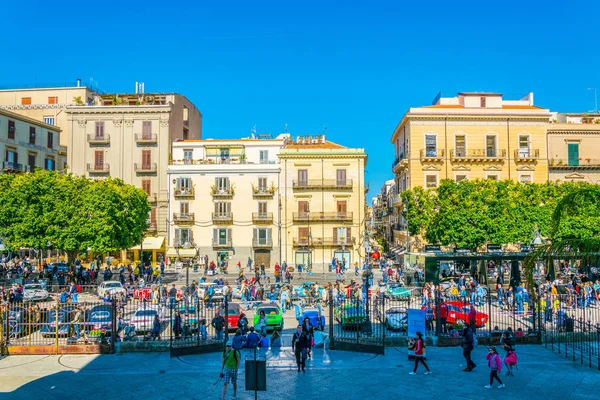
<point>341,208</point>
<point>262,257</point>
<point>99,160</point>
<point>341,177</point>
<point>573,149</point>
<point>303,209</point>
<point>303,236</point>
<point>490,146</point>
<point>460,146</point>
<point>302,177</point>
<point>100,130</point>
<point>146,130</point>
<point>146,159</point>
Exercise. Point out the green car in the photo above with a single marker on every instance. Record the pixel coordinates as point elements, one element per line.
<point>396,291</point>
<point>273,314</point>
<point>350,316</point>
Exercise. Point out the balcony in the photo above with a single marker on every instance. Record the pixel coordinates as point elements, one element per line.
<point>98,139</point>
<point>432,156</point>
<point>396,200</point>
<point>145,168</point>
<point>152,197</point>
<point>323,216</point>
<point>477,155</point>
<point>184,193</point>
<point>140,138</point>
<point>399,163</point>
<point>574,163</point>
<point>222,218</point>
<point>12,166</point>
<point>262,218</point>
<point>526,155</point>
<point>98,168</point>
<point>264,243</point>
<point>346,241</point>
<point>322,184</point>
<point>221,243</point>
<point>225,193</point>
<point>263,192</point>
<point>305,241</point>
<point>183,218</point>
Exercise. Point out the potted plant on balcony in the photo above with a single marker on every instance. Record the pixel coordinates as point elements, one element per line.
<point>588,160</point>
<point>273,188</point>
<point>213,189</point>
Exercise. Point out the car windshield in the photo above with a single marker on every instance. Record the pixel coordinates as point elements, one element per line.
<point>100,315</point>
<point>33,287</point>
<point>112,285</point>
<point>354,311</point>
<point>395,285</point>
<point>145,313</point>
<point>269,310</point>
<point>235,311</point>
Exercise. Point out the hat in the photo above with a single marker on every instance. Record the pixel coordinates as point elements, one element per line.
<point>228,343</point>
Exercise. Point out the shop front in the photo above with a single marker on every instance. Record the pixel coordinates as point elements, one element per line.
<point>151,251</point>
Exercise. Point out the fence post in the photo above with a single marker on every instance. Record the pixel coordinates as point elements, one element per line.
<point>382,321</point>
<point>56,316</point>
<point>171,305</point>
<point>226,325</point>
<point>113,331</point>
<point>331,300</point>
<point>489,304</point>
<point>438,321</point>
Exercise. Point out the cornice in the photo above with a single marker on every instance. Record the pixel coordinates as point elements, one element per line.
<point>284,156</point>
<point>119,109</point>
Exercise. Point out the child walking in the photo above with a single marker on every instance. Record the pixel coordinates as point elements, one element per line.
<point>495,365</point>
<point>419,350</point>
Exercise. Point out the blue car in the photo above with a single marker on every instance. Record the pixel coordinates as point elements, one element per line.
<point>60,266</point>
<point>99,317</point>
<point>63,316</point>
<point>314,314</point>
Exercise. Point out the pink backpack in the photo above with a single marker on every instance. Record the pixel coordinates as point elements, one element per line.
<point>511,358</point>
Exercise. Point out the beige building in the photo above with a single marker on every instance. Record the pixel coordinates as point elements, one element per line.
<point>224,200</point>
<point>574,147</point>
<point>323,203</point>
<point>27,144</point>
<point>129,136</point>
<point>47,104</point>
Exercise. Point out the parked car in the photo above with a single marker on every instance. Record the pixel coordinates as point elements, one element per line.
<point>233,315</point>
<point>112,287</point>
<point>17,318</point>
<point>60,266</point>
<point>314,314</point>
<point>143,293</point>
<point>396,291</point>
<point>143,318</point>
<point>458,313</point>
<point>217,290</point>
<point>303,289</point>
<point>273,314</point>
<point>34,292</point>
<point>99,317</point>
<point>396,319</point>
<point>188,313</point>
<point>63,317</point>
<point>350,316</point>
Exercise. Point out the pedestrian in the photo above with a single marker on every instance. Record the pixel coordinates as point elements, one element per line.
<point>177,329</point>
<point>495,365</point>
<point>243,323</point>
<point>239,340</point>
<point>77,320</point>
<point>507,341</point>
<point>468,345</point>
<point>299,347</point>
<point>218,322</point>
<point>252,339</point>
<point>261,326</point>
<point>156,328</point>
<point>308,328</point>
<point>229,368</point>
<point>419,355</point>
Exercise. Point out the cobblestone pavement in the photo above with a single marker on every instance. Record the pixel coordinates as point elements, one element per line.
<point>341,375</point>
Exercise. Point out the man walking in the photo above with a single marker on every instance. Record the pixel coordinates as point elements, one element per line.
<point>229,368</point>
<point>300,346</point>
<point>218,322</point>
<point>468,345</point>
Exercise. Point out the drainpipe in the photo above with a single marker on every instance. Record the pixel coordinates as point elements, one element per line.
<point>508,143</point>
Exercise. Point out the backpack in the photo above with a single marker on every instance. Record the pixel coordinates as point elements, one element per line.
<point>236,354</point>
<point>511,358</point>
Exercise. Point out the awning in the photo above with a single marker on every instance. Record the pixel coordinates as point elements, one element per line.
<point>398,250</point>
<point>183,253</point>
<point>151,243</point>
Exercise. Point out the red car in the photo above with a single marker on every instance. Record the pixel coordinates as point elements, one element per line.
<point>233,316</point>
<point>142,294</point>
<point>458,313</point>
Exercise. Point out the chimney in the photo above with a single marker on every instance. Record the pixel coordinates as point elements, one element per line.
<point>78,82</point>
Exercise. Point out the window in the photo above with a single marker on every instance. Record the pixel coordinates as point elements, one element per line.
<point>147,130</point>
<point>262,236</point>
<point>264,156</point>
<point>49,120</point>
<point>524,146</point>
<point>482,101</point>
<point>490,146</point>
<point>184,207</point>
<point>224,155</point>
<point>340,175</point>
<point>431,145</point>
<point>12,157</point>
<point>262,207</point>
<point>303,207</point>
<point>460,178</point>
<point>50,164</point>
<point>460,145</point>
<point>146,159</point>
<point>99,130</point>
<point>341,206</point>
<point>222,236</point>
<point>153,217</point>
<point>99,160</point>
<point>53,100</point>
<point>573,153</point>
<point>526,178</point>
<point>50,139</point>
<point>186,116</point>
<point>493,177</point>
<point>302,177</point>
<point>222,208</point>
<point>25,100</point>
<point>182,235</point>
<point>186,133</point>
<point>11,129</point>
<point>147,186</point>
<point>303,235</point>
<point>31,135</point>
<point>430,181</point>
<point>31,161</point>
<point>262,184</point>
<point>222,184</point>
<point>341,236</point>
<point>184,184</point>
<point>188,156</point>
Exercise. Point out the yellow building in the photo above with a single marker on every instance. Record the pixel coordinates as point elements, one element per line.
<point>573,148</point>
<point>471,136</point>
<point>323,203</point>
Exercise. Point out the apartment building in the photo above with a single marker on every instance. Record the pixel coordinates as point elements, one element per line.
<point>224,200</point>
<point>47,104</point>
<point>573,147</point>
<point>323,203</point>
<point>130,136</point>
<point>27,144</point>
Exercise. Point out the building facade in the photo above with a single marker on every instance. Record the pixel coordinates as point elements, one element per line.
<point>130,136</point>
<point>27,144</point>
<point>573,148</point>
<point>47,104</point>
<point>224,200</point>
<point>323,203</point>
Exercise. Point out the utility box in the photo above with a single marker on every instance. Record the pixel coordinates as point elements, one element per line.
<point>256,374</point>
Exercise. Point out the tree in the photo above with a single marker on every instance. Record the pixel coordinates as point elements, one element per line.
<point>71,213</point>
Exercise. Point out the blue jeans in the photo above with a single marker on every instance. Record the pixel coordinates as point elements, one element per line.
<point>77,329</point>
<point>219,334</point>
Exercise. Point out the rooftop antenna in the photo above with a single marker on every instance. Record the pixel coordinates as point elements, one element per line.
<point>324,129</point>
<point>595,99</point>
<point>286,128</point>
<point>253,131</point>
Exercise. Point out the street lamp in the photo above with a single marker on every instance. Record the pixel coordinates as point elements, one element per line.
<point>406,222</point>
<point>187,246</point>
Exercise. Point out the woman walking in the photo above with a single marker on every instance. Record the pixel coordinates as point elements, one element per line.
<point>419,351</point>
<point>495,365</point>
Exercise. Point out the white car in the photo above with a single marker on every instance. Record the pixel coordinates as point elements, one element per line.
<point>112,287</point>
<point>217,290</point>
<point>143,319</point>
<point>34,292</point>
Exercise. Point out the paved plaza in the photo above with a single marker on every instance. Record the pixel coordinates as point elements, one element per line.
<point>338,375</point>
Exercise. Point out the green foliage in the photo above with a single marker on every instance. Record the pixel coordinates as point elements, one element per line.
<point>421,209</point>
<point>71,213</point>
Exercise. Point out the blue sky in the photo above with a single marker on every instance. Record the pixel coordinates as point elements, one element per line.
<point>353,67</point>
